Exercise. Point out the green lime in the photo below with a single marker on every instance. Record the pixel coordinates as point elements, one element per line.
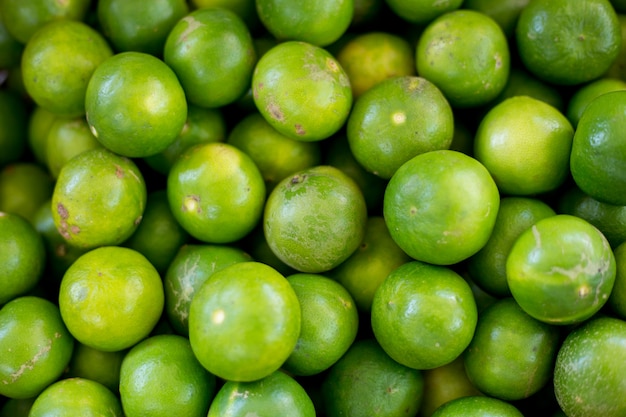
<point>465,54</point>
<point>39,124</point>
<point>504,12</point>
<point>441,206</point>
<point>477,406</point>
<point>131,26</point>
<point>111,298</point>
<point>319,23</point>
<point>98,199</point>
<point>135,104</point>
<point>617,299</point>
<point>315,219</point>
<point>212,53</point>
<point>321,342</point>
<point>512,354</point>
<point>598,154</point>
<point>568,42</point>
<point>96,365</point>
<point>592,352</point>
<point>561,270</point>
<point>245,9</point>
<point>67,138</point>
<point>216,192</point>
<point>585,94</point>
<point>302,91</point>
<point>397,119</point>
<point>24,186</point>
<point>423,315</point>
<point>35,346</point>
<point>193,265</point>
<point>160,376</point>
<point>488,266</point>
<point>244,322</point>
<point>375,258</point>
<point>523,83</point>
<point>22,256</point>
<point>422,12</point>
<point>277,394</point>
<point>76,397</point>
<point>60,85</point>
<point>367,382</point>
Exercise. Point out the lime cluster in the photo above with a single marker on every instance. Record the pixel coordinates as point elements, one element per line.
<point>300,208</point>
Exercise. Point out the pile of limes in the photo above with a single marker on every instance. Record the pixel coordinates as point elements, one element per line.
<point>298,208</point>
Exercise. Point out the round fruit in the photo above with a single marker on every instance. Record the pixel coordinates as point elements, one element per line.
<point>35,346</point>
<point>302,91</point>
<point>212,53</point>
<point>244,322</point>
<point>441,206</point>
<point>525,144</point>
<point>60,85</point>
<point>24,186</point>
<point>107,277</point>
<point>448,56</point>
<point>591,353</point>
<point>397,119</point>
<point>423,315</point>
<point>422,11</point>
<point>561,270</point>
<point>585,95</point>
<point>96,365</point>
<point>277,394</point>
<point>315,219</point>
<point>216,192</point>
<point>160,376</point>
<point>568,42</point>
<point>135,104</point>
<point>477,406</point>
<point>98,199</point>
<point>67,138</point>
<point>319,23</point>
<point>599,152</point>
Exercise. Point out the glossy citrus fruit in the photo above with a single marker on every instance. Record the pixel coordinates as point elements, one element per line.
<point>35,346</point>
<point>315,219</point>
<point>130,26</point>
<point>441,206</point>
<point>135,104</point>
<point>396,120</point>
<point>160,376</point>
<point>244,322</point>
<point>98,199</point>
<point>302,91</point>
<point>24,186</point>
<point>159,236</point>
<point>422,11</point>
<point>594,351</point>
<point>423,315</point>
<point>598,152</point>
<point>488,266</point>
<point>585,94</point>
<point>447,56</point>
<point>192,265</point>
<point>477,406</point>
<point>96,365</point>
<point>277,394</point>
<point>367,382</point>
<point>23,19</point>
<point>212,53</point>
<point>617,299</point>
<point>39,123</point>
<point>60,85</point>
<point>372,57</point>
<point>568,42</point>
<point>608,218</point>
<point>105,277</point>
<point>445,383</point>
<point>67,138</point>
<point>525,144</point>
<point>375,258</point>
<point>512,354</point>
<point>202,125</point>
<point>561,270</point>
<point>321,342</point>
<point>216,192</point>
<point>505,13</point>
<point>319,23</point>
<point>22,256</point>
<point>522,83</point>
<point>13,127</point>
<point>276,155</point>
<point>76,396</point>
